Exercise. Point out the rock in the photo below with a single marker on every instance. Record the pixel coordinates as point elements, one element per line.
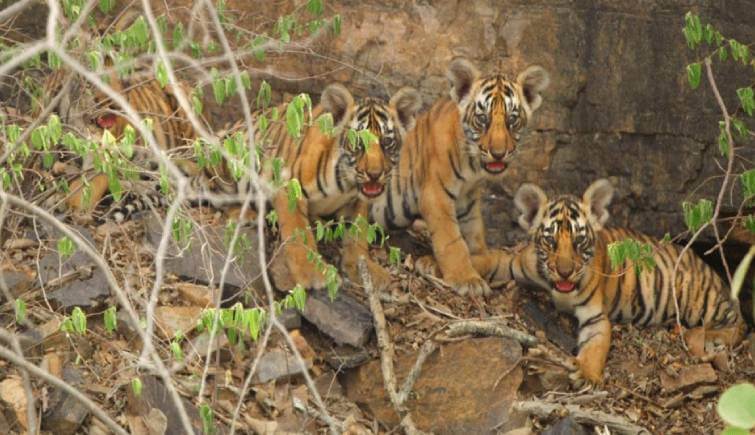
<point>203,260</point>
<point>346,357</point>
<point>454,394</point>
<point>290,318</point>
<point>17,281</point>
<point>172,319</point>
<point>13,394</point>
<point>550,322</point>
<point>198,347</point>
<point>688,376</point>
<point>83,284</point>
<point>617,89</point>
<point>155,395</point>
<point>344,319</point>
<point>566,426</point>
<point>277,364</point>
<point>82,293</point>
<point>65,414</point>
<point>198,295</point>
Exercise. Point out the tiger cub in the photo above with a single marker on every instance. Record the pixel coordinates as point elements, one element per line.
<point>567,255</point>
<point>93,111</point>
<point>455,146</point>
<point>338,179</point>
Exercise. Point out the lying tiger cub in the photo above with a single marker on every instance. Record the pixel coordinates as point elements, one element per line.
<point>567,254</point>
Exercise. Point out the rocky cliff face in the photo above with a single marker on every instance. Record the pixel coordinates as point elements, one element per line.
<point>619,105</point>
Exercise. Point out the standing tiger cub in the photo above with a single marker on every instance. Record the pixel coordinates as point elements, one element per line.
<point>454,147</point>
<point>567,254</point>
<point>338,179</point>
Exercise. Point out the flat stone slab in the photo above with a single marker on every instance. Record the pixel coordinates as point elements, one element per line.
<point>204,258</point>
<point>278,364</point>
<point>345,320</point>
<point>460,390</point>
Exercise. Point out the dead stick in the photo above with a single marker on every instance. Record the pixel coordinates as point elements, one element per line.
<point>486,327</point>
<point>596,418</point>
<point>406,388</point>
<point>386,349</point>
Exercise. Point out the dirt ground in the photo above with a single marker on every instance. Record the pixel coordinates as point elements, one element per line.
<point>651,380</point>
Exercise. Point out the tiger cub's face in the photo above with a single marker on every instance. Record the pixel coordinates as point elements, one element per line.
<point>369,169</point>
<point>494,109</point>
<point>563,230</point>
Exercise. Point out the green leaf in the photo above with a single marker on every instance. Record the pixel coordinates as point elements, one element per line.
<point>161,74</point>
<point>218,86</point>
<point>257,318</point>
<point>114,184</point>
<point>54,129</point>
<point>264,95</point>
<point>723,139</point>
<point>299,296</point>
<point>206,414</point>
<point>110,319</point>
<point>294,118</point>
<point>740,128</point>
<point>315,7</point>
<point>136,387</point>
<point>336,24</point>
<point>106,5</point>
<point>641,254</point>
<point>741,272</point>
<point>272,218</point>
<point>746,99</point>
<point>394,255</point>
<point>246,81</point>
<point>20,311</point>
<point>697,215</point>
<point>53,60</point>
<point>748,185</point>
<point>66,247</point>
<point>737,406</point>
<point>175,349</point>
<point>367,138</point>
<point>294,193</point>
<point>694,73</point>
<point>325,124</point>
<point>749,223</point>
<point>79,321</point>
<point>178,34</point>
<point>319,230</point>
<point>723,54</point>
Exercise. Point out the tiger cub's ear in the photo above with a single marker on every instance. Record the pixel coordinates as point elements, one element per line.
<point>596,200</point>
<point>337,100</point>
<point>530,200</point>
<point>462,74</point>
<point>533,80</point>
<point>406,102</point>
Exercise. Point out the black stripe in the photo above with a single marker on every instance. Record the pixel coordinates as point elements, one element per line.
<point>592,320</point>
<point>338,173</point>
<point>462,215</point>
<point>587,339</point>
<point>587,299</point>
<point>320,171</point>
<point>457,171</point>
<point>495,271</point>
<point>448,192</point>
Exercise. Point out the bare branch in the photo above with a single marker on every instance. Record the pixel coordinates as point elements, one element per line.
<point>488,328</point>
<point>57,382</point>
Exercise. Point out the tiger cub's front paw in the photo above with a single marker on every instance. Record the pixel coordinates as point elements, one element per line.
<point>473,285</point>
<point>426,265</point>
<point>381,278</point>
<point>309,276</point>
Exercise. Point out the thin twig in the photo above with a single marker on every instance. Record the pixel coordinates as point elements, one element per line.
<point>582,415</point>
<point>13,358</point>
<point>488,328</point>
<point>406,388</point>
<point>385,345</point>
